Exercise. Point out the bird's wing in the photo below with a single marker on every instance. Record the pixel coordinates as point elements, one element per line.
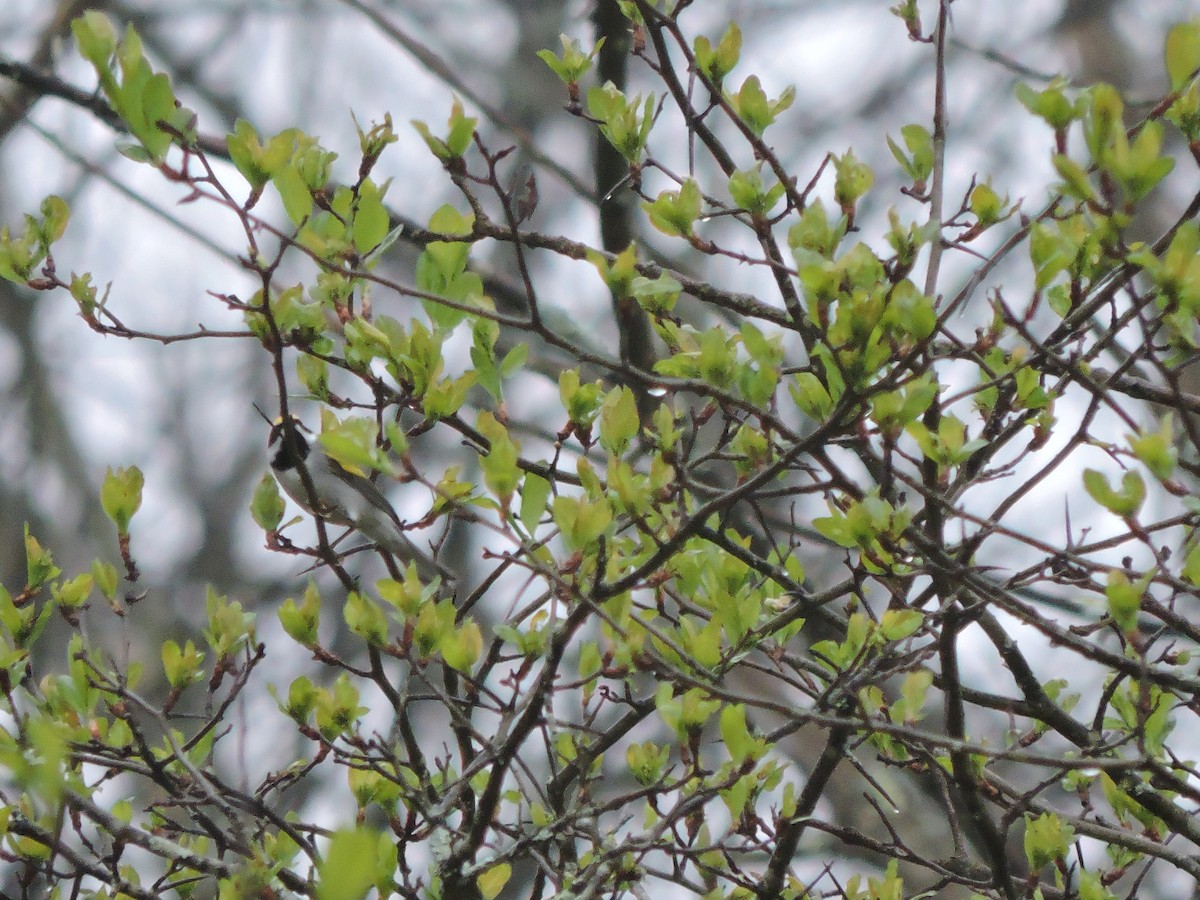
<point>366,488</point>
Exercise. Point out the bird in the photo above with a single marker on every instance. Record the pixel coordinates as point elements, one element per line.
<point>343,497</point>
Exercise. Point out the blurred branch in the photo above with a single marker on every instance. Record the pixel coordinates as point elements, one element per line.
<point>446,72</point>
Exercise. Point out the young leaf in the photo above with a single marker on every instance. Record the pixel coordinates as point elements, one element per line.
<point>121,495</point>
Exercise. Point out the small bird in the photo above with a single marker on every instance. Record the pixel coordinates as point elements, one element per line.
<point>343,497</point>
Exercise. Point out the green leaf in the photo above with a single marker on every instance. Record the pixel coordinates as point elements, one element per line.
<point>625,122</point>
<point>157,103</point>
<point>986,204</point>
<point>442,269</point>
<point>656,296</point>
<point>1184,113</point>
<point>367,342</point>
<point>647,761</point>
<point>674,213</point>
<point>142,98</point>
<point>229,627</point>
<point>1182,53</point>
<point>910,13</point>
<point>535,492</point>
<point>73,593</point>
<point>1104,120</point>
<point>353,443</point>
<point>266,505</point>
<point>1047,839</point>
<point>582,521</point>
<point>96,37</point>
<point>295,194</point>
<point>917,162</point>
<point>748,191</point>
<point>435,621</point>
<point>717,359</point>
<point>1140,166</point>
<point>365,619</point>
<point>462,647</point>
<point>492,882</point>
<point>756,109</point>
<point>572,64</point>
<point>898,624</point>
<point>1157,450</point>
<point>701,642</point>
<point>913,691</point>
<point>181,666</point>
<point>717,62</point>
<point>55,216</point>
<point>1191,566</point>
<point>581,401</point>
<point>300,621</point>
<point>619,421</point>
<point>500,471</point>
<point>514,360</point>
<point>815,234</point>
<point>1126,502</point>
<point>738,796</point>
<point>245,152</point>
<point>1091,886</point>
<point>349,868</point>
<point>853,179</point>
<point>121,495</point>
<point>338,710</point>
<point>811,396</point>
<point>446,396</point>
<point>1052,105</point>
<point>734,733</point>
<point>313,373</point>
<point>371,220</point>
<point>301,699</point>
<point>313,163</point>
<point>105,577</point>
<point>1125,598</point>
<point>81,288</point>
<point>371,787</point>
<point>458,137</point>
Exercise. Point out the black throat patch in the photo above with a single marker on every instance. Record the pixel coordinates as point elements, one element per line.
<point>291,448</point>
